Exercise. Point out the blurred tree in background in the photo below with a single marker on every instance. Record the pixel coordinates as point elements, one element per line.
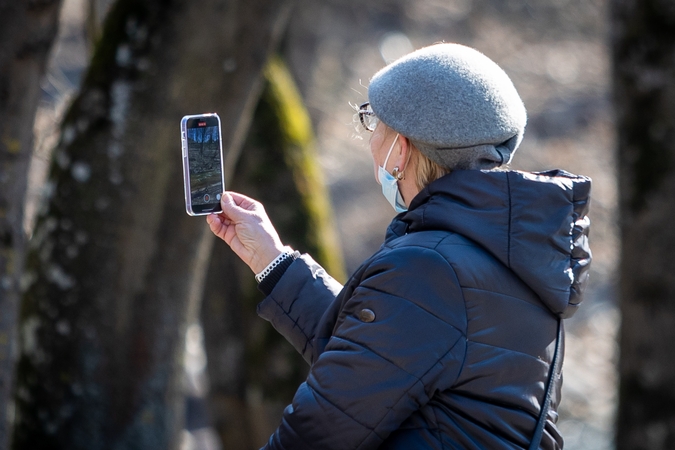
<point>644,91</point>
<point>27,30</point>
<point>115,262</point>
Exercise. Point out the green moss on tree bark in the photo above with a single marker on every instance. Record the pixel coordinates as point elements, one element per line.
<point>253,371</point>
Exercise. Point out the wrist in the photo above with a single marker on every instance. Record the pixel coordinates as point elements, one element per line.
<point>283,254</point>
<point>263,258</point>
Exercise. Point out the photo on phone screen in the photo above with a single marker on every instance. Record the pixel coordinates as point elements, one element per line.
<point>202,156</point>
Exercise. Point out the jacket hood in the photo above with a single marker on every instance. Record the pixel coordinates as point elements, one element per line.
<point>534,223</point>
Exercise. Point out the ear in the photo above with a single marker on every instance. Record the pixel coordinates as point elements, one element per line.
<point>403,157</point>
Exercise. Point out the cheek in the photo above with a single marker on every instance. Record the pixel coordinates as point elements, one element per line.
<point>373,155</point>
<point>373,147</point>
<point>376,146</point>
<point>374,150</point>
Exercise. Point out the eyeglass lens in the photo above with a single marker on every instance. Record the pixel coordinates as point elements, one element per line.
<point>368,117</point>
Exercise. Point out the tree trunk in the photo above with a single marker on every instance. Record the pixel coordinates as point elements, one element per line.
<point>97,10</point>
<point>27,30</point>
<point>115,259</point>
<point>644,70</point>
<point>253,371</point>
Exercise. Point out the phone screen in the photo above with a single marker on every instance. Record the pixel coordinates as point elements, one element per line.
<point>204,162</point>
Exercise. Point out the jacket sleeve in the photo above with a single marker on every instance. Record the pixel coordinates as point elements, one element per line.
<point>399,338</point>
<point>298,301</point>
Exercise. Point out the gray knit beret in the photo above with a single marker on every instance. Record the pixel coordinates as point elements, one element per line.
<point>456,105</point>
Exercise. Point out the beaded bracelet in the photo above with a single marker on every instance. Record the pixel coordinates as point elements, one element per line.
<point>286,253</point>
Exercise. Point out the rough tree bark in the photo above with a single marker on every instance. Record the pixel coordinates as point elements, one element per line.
<point>114,259</point>
<point>253,371</point>
<point>27,30</point>
<point>644,89</point>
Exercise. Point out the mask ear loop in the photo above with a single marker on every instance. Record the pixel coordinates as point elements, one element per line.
<point>384,166</point>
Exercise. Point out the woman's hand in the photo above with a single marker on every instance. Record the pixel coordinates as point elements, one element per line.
<point>245,227</point>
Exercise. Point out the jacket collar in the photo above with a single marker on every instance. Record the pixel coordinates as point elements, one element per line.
<point>534,223</point>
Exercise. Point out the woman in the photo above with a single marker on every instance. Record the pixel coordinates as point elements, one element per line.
<point>446,337</point>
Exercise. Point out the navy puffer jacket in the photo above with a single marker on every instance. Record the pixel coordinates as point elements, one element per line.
<point>444,338</point>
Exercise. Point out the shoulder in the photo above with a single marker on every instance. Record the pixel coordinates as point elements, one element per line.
<point>412,295</point>
<point>414,272</point>
<point>470,264</point>
<point>451,247</point>
<point>419,254</point>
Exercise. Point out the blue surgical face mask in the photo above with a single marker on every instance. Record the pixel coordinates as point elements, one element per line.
<point>390,184</point>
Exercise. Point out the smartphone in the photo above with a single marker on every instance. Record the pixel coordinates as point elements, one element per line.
<point>202,163</point>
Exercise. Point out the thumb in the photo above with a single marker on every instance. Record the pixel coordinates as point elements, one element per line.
<point>226,199</point>
<point>230,208</point>
<point>227,203</point>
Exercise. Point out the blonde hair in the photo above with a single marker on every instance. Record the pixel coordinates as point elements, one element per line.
<point>426,170</point>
